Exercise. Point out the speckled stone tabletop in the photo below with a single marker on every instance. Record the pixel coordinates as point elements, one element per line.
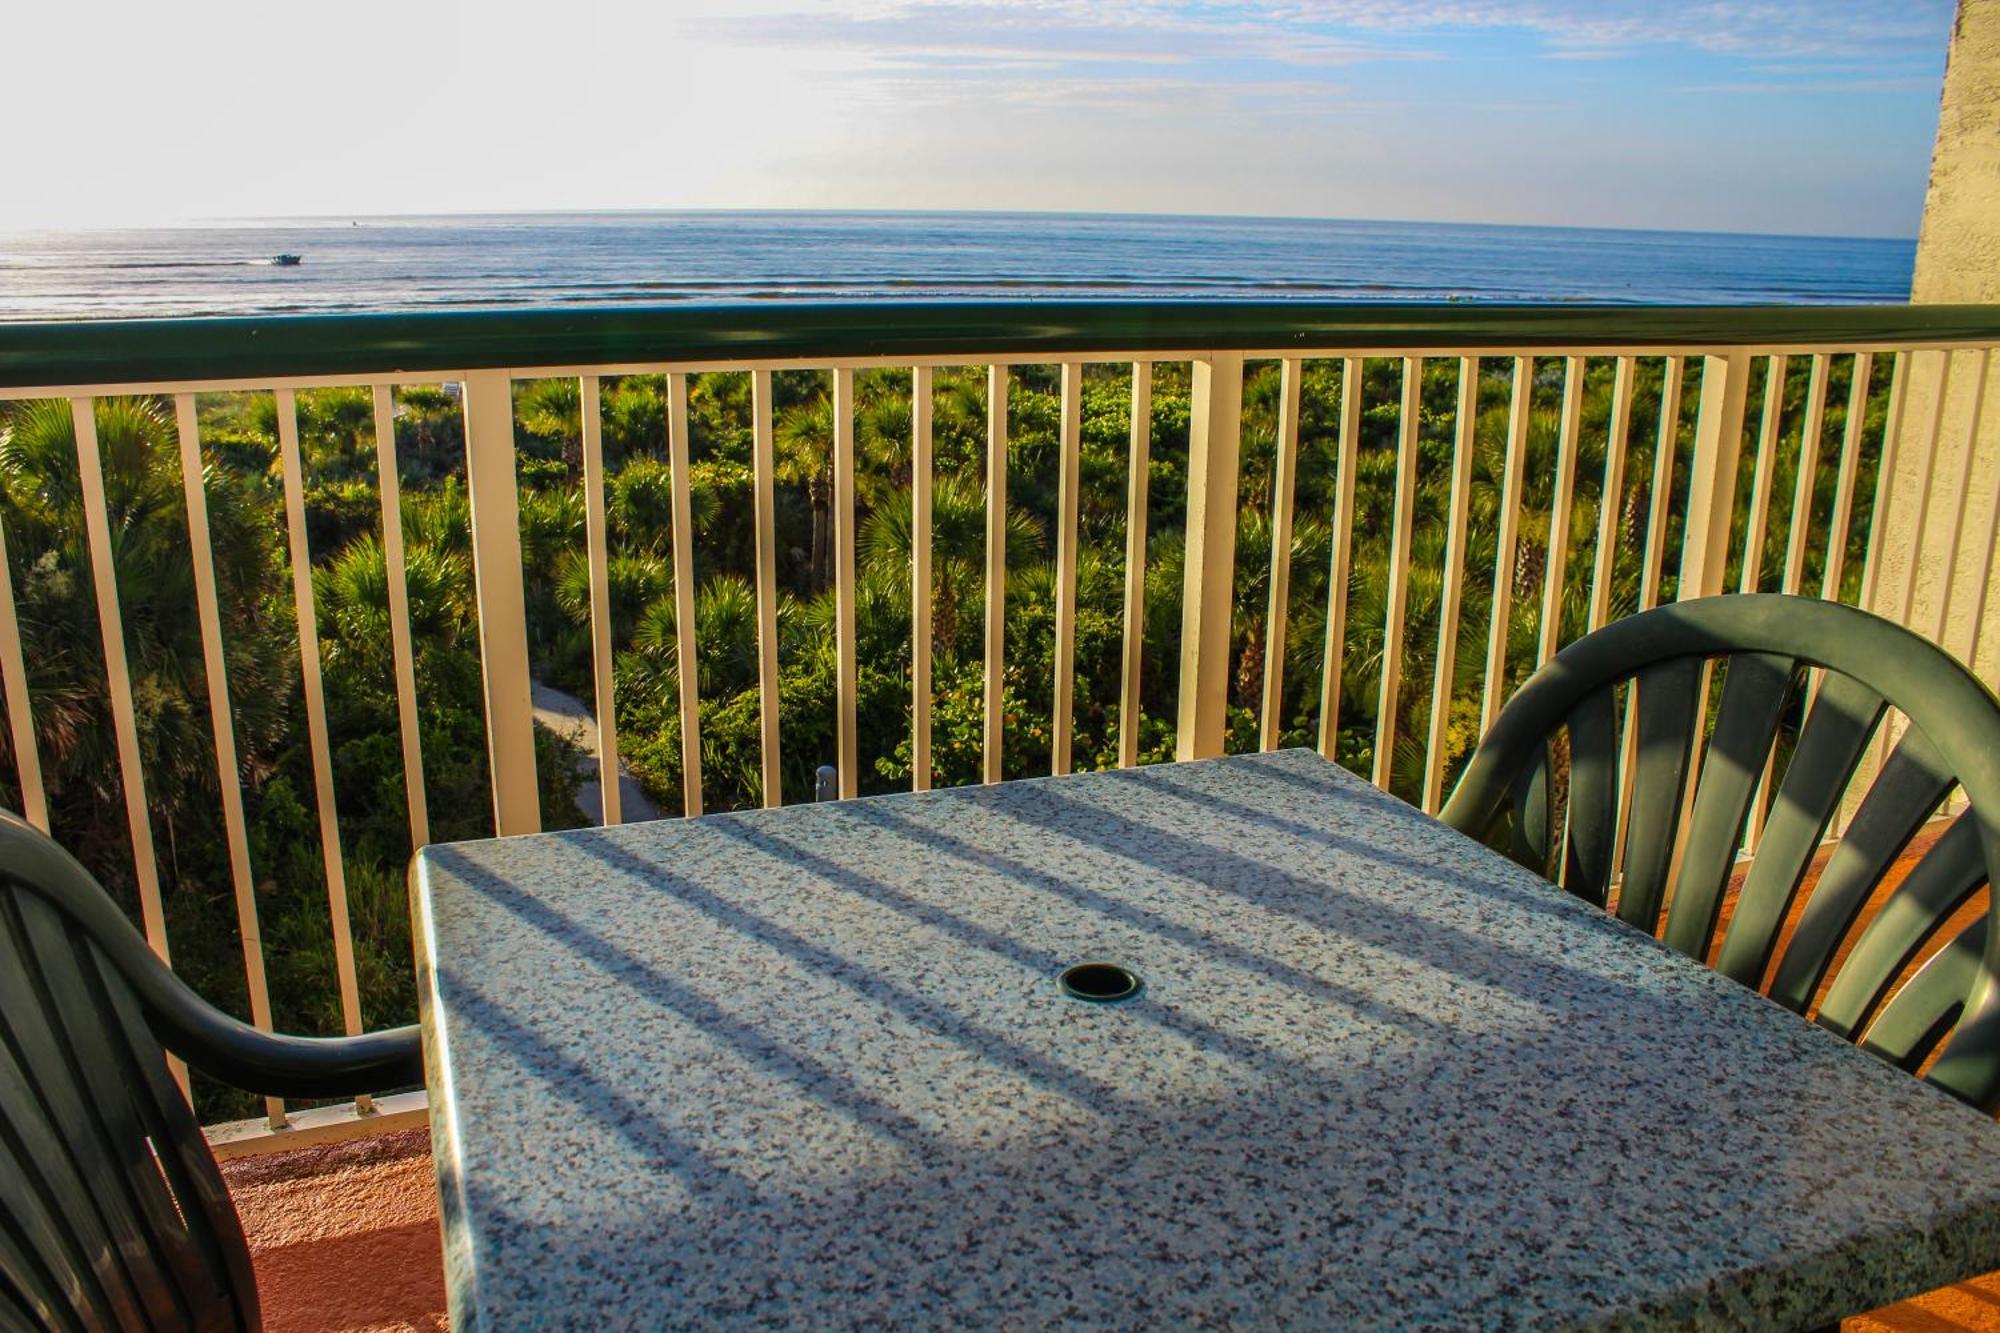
<point>812,1066</point>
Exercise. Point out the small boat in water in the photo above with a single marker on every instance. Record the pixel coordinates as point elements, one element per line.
<point>287,261</point>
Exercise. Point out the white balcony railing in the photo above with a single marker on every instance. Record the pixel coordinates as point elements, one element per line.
<point>1693,504</point>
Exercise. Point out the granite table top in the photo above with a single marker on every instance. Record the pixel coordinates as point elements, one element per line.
<point>813,1066</point>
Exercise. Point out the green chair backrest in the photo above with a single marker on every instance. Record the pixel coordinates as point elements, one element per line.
<point>118,1218</point>
<point>113,1214</point>
<point>1674,872</point>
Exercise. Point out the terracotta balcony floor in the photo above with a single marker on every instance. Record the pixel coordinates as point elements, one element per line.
<point>345,1236</point>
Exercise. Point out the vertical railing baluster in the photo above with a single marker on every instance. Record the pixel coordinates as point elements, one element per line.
<point>118,673</point>
<point>492,488</point>
<point>1215,435</point>
<point>1652,570</point>
<point>1129,701</point>
<point>1795,557</point>
<point>20,709</point>
<point>1452,596</point>
<point>1555,575</point>
<point>1808,474</point>
<point>1759,517</point>
<point>1946,576</point>
<point>1926,466</point>
<point>1718,449</point>
<point>390,488</point>
<point>1718,454</point>
<point>920,579</point>
<point>1562,500</point>
<point>1982,586</point>
<point>686,667</point>
<point>1341,559</point>
<point>1889,459</point>
<point>764,471</point>
<point>1069,446</point>
<point>1506,556</point>
<point>222,725</point>
<point>1396,613</point>
<point>1611,496</point>
<point>293,469</point>
<point>846,673</point>
<point>1843,490</point>
<point>1284,485</point>
<point>1975,406</point>
<point>1843,501</point>
<point>118,681</point>
<point>996,569</point>
<point>1659,502</point>
<point>597,557</point>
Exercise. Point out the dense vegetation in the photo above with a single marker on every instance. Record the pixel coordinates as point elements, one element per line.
<point>40,508</point>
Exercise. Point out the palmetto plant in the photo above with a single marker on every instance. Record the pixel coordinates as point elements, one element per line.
<point>351,594</point>
<point>804,438</point>
<point>958,553</point>
<point>41,501</point>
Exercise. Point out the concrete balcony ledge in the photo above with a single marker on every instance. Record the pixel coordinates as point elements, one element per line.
<point>318,1126</point>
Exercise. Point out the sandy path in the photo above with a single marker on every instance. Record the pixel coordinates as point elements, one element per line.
<point>568,716</point>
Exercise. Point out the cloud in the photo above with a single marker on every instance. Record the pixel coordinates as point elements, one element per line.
<point>1764,28</point>
<point>1296,66</point>
<point>1266,43</point>
<point>1915,83</point>
<point>1115,32</point>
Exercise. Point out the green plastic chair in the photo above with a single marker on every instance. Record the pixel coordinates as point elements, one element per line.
<point>113,1214</point>
<point>1762,645</point>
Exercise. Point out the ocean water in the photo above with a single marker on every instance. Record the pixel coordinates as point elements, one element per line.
<point>434,263</point>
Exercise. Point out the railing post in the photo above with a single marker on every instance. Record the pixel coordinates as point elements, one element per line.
<point>1284,495</point>
<point>764,468</point>
<point>117,672</point>
<point>921,608</point>
<point>1214,441</point>
<point>1718,447</point>
<point>503,613</point>
<point>1390,684</point>
<point>1137,470</point>
<point>686,678</point>
<point>994,736</point>
<point>1062,727</point>
<point>847,674</point>
<point>20,714</point>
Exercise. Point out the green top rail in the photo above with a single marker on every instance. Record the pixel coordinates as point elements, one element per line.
<point>151,351</point>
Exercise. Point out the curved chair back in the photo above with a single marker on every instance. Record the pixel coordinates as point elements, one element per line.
<point>119,1219</point>
<point>1672,873</point>
<point>114,1215</point>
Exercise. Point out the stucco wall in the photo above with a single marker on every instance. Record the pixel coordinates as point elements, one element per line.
<point>1958,250</point>
<point>1936,555</point>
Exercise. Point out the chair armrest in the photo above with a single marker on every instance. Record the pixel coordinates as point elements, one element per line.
<point>212,1041</point>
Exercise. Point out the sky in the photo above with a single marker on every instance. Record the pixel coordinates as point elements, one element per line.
<point>1788,116</point>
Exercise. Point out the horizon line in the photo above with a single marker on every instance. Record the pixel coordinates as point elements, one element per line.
<point>719,210</point>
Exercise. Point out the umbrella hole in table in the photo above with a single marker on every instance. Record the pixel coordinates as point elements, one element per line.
<point>1099,983</point>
